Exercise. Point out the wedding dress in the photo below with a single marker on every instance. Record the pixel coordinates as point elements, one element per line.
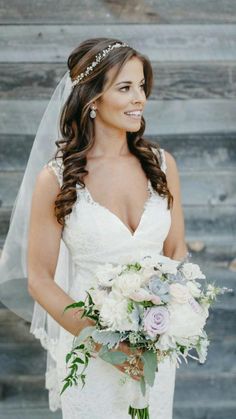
<point>94,235</point>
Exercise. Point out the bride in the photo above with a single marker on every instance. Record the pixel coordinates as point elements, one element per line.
<point>105,196</point>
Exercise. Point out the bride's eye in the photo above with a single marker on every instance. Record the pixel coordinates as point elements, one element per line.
<point>127,87</point>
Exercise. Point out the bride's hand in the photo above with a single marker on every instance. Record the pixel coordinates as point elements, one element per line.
<point>124,347</point>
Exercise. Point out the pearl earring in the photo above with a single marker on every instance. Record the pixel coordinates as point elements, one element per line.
<point>93,113</point>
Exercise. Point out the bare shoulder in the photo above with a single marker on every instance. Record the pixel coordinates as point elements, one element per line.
<point>172,173</point>
<point>170,163</point>
<point>47,183</point>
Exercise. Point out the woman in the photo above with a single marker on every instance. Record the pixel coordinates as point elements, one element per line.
<point>109,195</point>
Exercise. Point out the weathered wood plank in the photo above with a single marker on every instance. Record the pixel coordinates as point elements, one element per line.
<point>214,224</point>
<point>120,11</point>
<point>171,80</point>
<point>211,152</point>
<point>53,43</point>
<point>199,188</point>
<point>162,117</point>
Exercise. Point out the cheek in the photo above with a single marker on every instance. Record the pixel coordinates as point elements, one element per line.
<point>115,103</point>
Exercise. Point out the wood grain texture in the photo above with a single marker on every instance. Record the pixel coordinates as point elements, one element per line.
<point>53,43</point>
<point>119,11</point>
<point>162,117</point>
<point>171,80</point>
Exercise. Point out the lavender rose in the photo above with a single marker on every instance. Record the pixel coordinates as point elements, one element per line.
<point>156,321</point>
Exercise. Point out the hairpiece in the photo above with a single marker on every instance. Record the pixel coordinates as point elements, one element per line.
<point>98,58</point>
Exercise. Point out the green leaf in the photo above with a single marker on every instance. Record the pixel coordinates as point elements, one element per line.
<point>78,360</point>
<point>65,387</point>
<point>114,358</point>
<point>74,305</point>
<point>149,359</point>
<point>68,357</point>
<point>79,347</point>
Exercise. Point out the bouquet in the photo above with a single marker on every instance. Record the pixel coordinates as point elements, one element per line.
<point>158,306</point>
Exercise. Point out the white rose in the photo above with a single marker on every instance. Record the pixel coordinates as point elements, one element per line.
<point>98,297</point>
<point>106,274</point>
<point>114,315</point>
<point>194,288</point>
<point>192,271</point>
<point>146,274</point>
<point>166,264</point>
<point>179,293</point>
<point>128,283</point>
<point>184,321</point>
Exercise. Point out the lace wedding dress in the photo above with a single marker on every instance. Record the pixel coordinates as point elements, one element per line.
<point>94,235</point>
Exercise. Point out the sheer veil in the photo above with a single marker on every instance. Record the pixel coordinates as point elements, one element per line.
<point>13,262</point>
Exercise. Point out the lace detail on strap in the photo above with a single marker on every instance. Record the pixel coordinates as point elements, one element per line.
<point>163,160</point>
<point>161,156</point>
<point>57,169</point>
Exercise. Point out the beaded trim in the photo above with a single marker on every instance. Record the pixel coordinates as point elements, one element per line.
<point>98,58</point>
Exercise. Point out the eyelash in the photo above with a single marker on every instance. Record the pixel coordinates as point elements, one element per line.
<point>142,85</point>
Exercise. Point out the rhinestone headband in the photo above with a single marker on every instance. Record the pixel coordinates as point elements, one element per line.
<point>98,58</point>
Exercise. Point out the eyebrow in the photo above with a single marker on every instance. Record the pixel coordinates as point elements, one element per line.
<point>127,82</point>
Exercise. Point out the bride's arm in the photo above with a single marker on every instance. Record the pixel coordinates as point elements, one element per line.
<point>175,246</point>
<point>43,251</point>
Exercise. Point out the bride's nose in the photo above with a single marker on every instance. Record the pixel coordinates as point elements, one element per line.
<point>139,97</point>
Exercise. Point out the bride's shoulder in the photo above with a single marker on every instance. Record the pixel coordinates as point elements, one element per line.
<point>48,181</point>
<point>169,160</point>
<point>53,168</point>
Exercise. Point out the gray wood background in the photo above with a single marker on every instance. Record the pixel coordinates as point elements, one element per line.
<point>191,113</point>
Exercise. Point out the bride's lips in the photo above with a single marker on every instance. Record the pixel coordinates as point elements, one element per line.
<point>135,114</point>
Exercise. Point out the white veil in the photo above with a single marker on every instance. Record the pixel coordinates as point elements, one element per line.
<point>13,262</point>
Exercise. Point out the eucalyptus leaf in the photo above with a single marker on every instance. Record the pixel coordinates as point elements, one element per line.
<point>149,359</point>
<point>143,385</point>
<point>114,358</point>
<point>84,334</point>
<point>106,338</point>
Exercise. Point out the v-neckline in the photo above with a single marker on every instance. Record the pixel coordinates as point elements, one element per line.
<point>134,232</point>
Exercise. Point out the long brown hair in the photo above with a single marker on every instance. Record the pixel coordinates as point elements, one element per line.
<point>77,128</point>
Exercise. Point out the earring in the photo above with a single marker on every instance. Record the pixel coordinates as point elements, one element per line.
<point>93,113</point>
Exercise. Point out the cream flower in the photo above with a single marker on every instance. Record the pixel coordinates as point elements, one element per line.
<point>194,288</point>
<point>98,297</point>
<point>128,283</point>
<point>179,293</point>
<point>114,315</point>
<point>192,271</point>
<point>106,274</point>
<point>186,322</point>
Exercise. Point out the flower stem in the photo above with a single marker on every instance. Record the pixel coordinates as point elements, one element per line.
<point>139,413</point>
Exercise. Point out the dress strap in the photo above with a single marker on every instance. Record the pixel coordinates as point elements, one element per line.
<point>163,160</point>
<point>161,154</point>
<point>57,169</point>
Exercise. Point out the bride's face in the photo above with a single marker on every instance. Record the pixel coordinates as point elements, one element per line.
<point>121,106</point>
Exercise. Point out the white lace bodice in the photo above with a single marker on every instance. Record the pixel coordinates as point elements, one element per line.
<point>94,235</point>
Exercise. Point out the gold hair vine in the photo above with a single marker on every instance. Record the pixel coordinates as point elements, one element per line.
<point>98,58</point>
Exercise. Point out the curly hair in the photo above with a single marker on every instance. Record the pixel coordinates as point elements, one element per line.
<point>77,128</point>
